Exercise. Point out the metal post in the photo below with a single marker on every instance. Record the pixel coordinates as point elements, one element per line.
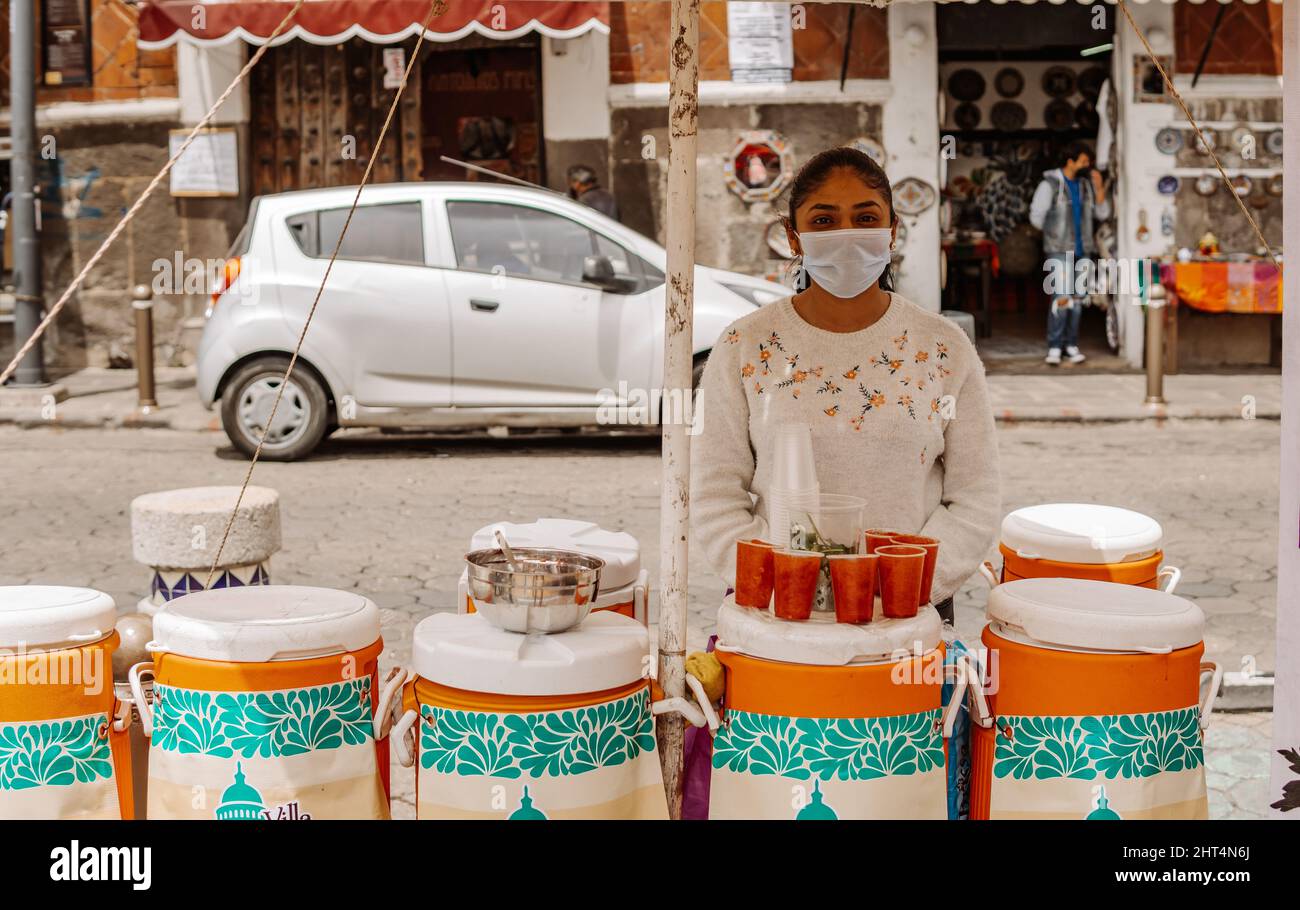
<point>674,531</point>
<point>1155,344</point>
<point>29,304</point>
<point>142,303</point>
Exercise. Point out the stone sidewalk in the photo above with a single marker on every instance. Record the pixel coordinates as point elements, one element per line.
<point>102,399</point>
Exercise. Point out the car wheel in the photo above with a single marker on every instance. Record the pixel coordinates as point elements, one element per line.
<point>300,420</point>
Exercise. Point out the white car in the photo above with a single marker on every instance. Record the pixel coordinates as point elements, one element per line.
<point>450,305</point>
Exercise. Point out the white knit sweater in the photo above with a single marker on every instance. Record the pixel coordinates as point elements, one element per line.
<point>883,429</point>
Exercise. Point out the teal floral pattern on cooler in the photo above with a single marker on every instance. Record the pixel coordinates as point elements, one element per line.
<point>1085,748</point>
<point>841,748</point>
<point>263,724</point>
<point>549,743</point>
<point>54,753</point>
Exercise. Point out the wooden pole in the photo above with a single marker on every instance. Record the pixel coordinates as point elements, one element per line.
<point>674,531</point>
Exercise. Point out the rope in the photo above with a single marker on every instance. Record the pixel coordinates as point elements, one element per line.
<point>1169,85</point>
<point>139,203</point>
<point>436,8</point>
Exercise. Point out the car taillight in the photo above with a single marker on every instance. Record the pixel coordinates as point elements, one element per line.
<point>229,272</point>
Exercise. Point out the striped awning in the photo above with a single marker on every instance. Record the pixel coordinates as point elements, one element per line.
<point>164,22</point>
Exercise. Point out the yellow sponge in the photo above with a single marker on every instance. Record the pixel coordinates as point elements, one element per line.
<point>708,670</point>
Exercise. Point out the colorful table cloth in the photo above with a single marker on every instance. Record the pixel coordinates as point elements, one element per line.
<point>1224,287</point>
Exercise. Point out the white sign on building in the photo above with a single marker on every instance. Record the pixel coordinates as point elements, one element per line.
<point>760,43</point>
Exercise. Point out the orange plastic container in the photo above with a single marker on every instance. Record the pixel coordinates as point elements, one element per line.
<point>1077,726</point>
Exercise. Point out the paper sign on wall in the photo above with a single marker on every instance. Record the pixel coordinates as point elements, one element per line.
<point>209,167</point>
<point>394,66</point>
<point>760,42</point>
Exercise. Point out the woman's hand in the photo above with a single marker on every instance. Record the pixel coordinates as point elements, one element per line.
<point>1098,185</point>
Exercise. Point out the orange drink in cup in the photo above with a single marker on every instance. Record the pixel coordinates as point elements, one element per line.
<point>853,581</point>
<point>931,547</point>
<point>754,573</point>
<point>901,570</point>
<point>795,582</point>
<point>877,537</point>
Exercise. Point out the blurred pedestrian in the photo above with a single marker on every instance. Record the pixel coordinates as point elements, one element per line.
<point>584,187</point>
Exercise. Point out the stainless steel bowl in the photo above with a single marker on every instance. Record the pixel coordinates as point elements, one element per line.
<point>549,591</point>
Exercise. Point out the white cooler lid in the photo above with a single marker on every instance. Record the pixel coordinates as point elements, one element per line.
<point>1081,532</point>
<point>45,616</point>
<point>465,651</point>
<point>620,550</point>
<point>821,640</point>
<point>1083,615</point>
<point>262,623</point>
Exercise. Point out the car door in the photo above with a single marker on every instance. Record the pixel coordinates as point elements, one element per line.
<point>382,321</point>
<point>528,330</point>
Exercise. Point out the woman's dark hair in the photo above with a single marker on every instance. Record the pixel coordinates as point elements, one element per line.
<point>818,169</point>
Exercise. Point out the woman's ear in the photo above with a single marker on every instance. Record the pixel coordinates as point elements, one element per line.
<point>893,233</point>
<point>792,236</point>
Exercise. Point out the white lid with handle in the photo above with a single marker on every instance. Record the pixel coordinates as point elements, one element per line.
<point>1081,533</point>
<point>54,616</point>
<point>465,651</point>
<point>263,623</point>
<point>620,550</point>
<point>1073,614</point>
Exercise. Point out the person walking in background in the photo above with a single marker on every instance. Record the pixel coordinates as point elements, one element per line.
<point>1065,206</point>
<point>584,187</point>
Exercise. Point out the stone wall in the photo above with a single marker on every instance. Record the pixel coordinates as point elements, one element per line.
<point>730,232</point>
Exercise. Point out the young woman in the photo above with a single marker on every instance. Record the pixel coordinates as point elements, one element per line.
<point>894,393</point>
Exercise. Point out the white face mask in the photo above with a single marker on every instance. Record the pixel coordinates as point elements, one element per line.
<point>845,263</point>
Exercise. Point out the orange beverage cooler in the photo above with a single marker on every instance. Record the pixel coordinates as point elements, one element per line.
<point>503,725</point>
<point>1082,540</point>
<point>266,704</point>
<point>1097,698</point>
<point>828,720</point>
<point>66,747</point>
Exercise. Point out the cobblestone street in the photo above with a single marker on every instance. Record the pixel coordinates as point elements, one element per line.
<point>391,517</point>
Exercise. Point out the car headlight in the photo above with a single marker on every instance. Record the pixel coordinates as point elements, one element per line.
<point>756,296</point>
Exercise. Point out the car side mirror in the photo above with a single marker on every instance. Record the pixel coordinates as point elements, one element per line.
<point>598,270</point>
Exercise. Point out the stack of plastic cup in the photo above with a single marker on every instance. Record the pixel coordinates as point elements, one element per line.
<point>794,479</point>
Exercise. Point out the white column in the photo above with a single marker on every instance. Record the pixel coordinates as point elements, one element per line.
<point>202,74</point>
<point>911,138</point>
<point>1286,695</point>
<point>575,87</point>
<point>1141,164</point>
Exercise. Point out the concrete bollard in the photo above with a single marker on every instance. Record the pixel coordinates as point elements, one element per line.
<point>177,532</point>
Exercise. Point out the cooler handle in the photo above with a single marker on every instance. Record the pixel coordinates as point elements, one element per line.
<point>958,697</point>
<point>123,713</point>
<point>1208,697</point>
<point>697,715</point>
<point>641,601</point>
<point>398,738</point>
<point>1173,573</point>
<point>386,708</point>
<point>980,713</point>
<point>137,693</point>
<point>989,573</point>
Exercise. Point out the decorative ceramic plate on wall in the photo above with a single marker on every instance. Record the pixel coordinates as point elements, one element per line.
<point>1009,116</point>
<point>1169,140</point>
<point>1242,185</point>
<point>1058,81</point>
<point>967,116</point>
<point>913,196</point>
<point>1207,185</point>
<point>871,148</point>
<point>1205,142</point>
<point>1009,82</point>
<point>1085,116</point>
<point>1090,82</point>
<point>1273,142</point>
<point>1059,114</point>
<point>1275,185</point>
<point>1168,185</point>
<point>966,85</point>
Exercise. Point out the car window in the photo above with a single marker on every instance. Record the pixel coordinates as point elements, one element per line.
<point>390,232</point>
<point>519,241</point>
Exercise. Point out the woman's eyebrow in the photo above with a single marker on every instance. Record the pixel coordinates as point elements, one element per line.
<point>824,206</point>
<point>867,204</point>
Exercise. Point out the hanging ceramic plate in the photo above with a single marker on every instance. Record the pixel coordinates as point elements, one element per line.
<point>966,85</point>
<point>1058,81</point>
<point>1169,140</point>
<point>1273,142</point>
<point>1207,185</point>
<point>871,148</point>
<point>1059,114</point>
<point>1242,185</point>
<point>1085,115</point>
<point>1168,185</point>
<point>1275,185</point>
<point>1206,142</point>
<point>1009,82</point>
<point>1240,137</point>
<point>967,116</point>
<point>1009,116</point>
<point>913,196</point>
<point>1090,82</point>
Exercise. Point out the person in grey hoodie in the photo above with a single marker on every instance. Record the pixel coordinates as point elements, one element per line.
<point>1066,204</point>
